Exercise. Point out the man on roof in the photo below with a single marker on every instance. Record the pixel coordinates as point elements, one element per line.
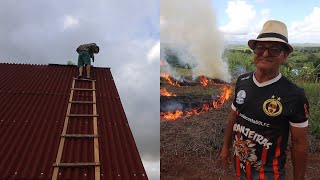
<point>267,106</point>
<point>86,51</point>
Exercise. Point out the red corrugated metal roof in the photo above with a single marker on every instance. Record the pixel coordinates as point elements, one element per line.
<point>33,106</point>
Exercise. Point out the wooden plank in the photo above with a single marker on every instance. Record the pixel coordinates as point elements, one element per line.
<point>62,139</point>
<point>79,135</point>
<point>95,131</point>
<point>80,164</point>
<point>83,89</point>
<point>82,102</point>
<point>82,115</point>
<point>93,80</point>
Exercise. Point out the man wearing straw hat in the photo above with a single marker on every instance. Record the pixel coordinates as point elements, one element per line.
<point>267,106</point>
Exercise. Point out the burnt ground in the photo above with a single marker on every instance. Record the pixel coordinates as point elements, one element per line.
<point>190,146</point>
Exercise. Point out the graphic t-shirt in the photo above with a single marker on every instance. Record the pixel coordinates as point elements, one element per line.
<point>260,133</point>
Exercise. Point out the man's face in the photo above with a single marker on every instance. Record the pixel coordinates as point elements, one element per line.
<point>269,55</point>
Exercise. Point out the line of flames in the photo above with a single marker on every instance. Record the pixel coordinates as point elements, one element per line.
<point>170,80</point>
<point>217,103</point>
<point>165,92</point>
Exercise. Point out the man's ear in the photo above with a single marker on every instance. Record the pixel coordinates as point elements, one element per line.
<point>285,57</point>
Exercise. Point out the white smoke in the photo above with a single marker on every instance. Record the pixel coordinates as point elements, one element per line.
<point>191,25</point>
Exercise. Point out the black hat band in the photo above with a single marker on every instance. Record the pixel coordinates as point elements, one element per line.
<point>273,35</point>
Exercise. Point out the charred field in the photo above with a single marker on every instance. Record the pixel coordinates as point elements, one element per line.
<point>191,140</point>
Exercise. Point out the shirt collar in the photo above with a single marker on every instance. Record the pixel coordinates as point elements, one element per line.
<point>267,82</point>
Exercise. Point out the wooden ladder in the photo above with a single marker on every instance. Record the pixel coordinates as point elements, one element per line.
<point>96,164</point>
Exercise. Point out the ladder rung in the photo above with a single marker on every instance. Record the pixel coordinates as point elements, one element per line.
<point>79,135</point>
<point>84,79</point>
<point>82,102</point>
<point>76,164</point>
<point>82,89</point>
<point>82,115</point>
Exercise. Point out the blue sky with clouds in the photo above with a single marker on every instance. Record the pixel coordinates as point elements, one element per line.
<point>243,19</point>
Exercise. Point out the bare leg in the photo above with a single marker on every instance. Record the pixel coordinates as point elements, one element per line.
<point>80,70</point>
<point>88,71</point>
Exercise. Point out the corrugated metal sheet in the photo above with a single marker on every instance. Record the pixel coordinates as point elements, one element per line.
<point>33,105</point>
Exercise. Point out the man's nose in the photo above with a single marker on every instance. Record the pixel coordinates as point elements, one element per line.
<point>266,53</point>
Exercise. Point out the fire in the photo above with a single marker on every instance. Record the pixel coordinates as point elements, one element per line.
<point>205,107</point>
<point>171,115</point>
<point>204,81</point>
<point>164,92</point>
<point>170,80</point>
<point>217,103</point>
<point>225,95</point>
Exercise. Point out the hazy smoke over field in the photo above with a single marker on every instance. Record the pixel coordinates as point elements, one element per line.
<point>191,25</point>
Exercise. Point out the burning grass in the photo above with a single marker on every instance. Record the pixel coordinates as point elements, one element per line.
<point>190,146</point>
<point>215,95</point>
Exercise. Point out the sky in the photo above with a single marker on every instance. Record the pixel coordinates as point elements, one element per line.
<point>241,20</point>
<point>127,32</point>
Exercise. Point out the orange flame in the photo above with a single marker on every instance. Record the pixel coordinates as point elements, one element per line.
<point>204,81</point>
<point>171,115</point>
<point>225,95</point>
<point>170,80</point>
<point>217,103</point>
<point>164,92</point>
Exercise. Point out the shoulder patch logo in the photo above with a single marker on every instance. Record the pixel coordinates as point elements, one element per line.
<point>244,78</point>
<point>240,97</point>
<point>272,107</point>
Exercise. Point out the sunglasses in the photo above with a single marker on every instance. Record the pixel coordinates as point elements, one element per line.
<point>272,51</point>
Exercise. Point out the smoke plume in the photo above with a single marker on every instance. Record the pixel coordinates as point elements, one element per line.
<point>191,25</point>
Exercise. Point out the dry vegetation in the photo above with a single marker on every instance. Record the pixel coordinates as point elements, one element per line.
<point>190,146</point>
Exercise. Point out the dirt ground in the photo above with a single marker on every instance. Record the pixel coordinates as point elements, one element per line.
<point>190,147</point>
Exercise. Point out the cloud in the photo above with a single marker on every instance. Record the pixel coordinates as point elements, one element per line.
<point>154,52</point>
<point>306,30</point>
<point>69,22</point>
<point>245,23</point>
<point>241,15</point>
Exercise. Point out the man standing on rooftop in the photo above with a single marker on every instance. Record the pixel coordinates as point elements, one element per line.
<point>86,51</point>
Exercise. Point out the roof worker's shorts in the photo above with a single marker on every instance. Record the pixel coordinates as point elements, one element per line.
<point>84,58</point>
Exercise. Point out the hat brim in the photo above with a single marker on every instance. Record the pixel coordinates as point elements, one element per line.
<point>252,42</point>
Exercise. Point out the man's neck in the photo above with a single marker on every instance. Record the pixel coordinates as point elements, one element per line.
<point>263,76</point>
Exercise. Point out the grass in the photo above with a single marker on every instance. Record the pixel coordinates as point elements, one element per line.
<point>312,91</point>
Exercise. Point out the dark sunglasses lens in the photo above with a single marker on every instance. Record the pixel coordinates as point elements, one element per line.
<point>274,51</point>
<point>259,50</point>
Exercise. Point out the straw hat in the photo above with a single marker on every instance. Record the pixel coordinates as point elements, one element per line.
<point>272,31</point>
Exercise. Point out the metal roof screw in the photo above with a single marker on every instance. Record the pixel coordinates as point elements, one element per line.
<point>142,174</point>
<point>42,173</point>
<point>85,174</point>
<point>101,174</point>
<point>118,174</point>
<point>16,173</point>
<point>59,174</point>
<point>134,174</point>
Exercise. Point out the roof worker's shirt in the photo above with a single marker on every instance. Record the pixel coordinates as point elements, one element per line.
<point>88,48</point>
<point>260,133</point>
